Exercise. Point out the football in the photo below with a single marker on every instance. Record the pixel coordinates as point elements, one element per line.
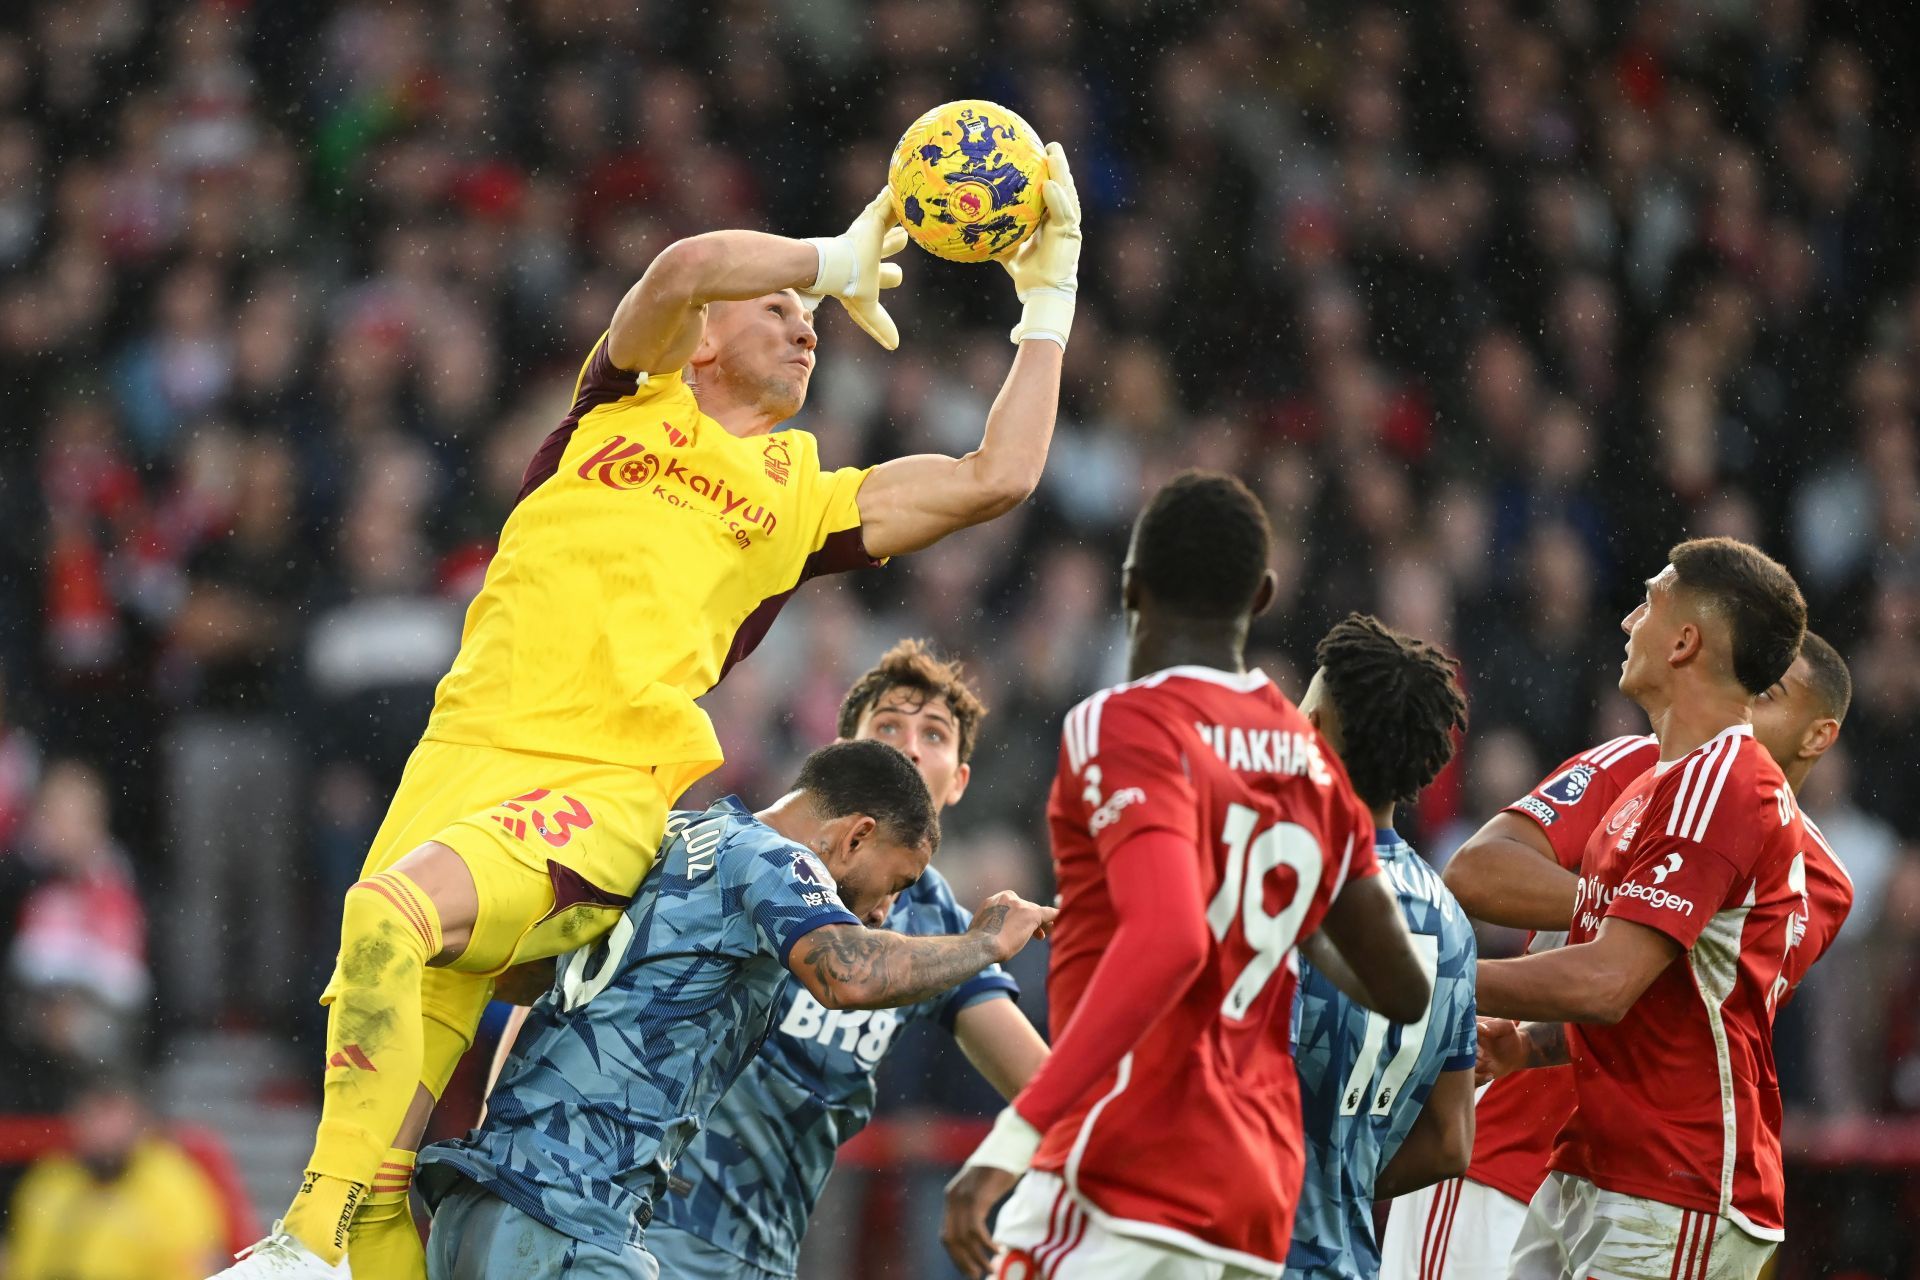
<point>966,180</point>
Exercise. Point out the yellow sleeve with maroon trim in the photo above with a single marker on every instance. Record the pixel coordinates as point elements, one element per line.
<point>829,505</point>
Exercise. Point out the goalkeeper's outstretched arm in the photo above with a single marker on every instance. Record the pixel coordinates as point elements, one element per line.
<point>913,502</point>
<point>657,326</point>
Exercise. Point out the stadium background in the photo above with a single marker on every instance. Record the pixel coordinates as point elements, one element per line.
<point>1490,302</point>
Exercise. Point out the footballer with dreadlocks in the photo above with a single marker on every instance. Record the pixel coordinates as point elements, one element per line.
<point>1386,1109</point>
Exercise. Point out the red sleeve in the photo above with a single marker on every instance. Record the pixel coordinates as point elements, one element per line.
<point>1698,841</point>
<point>1570,801</point>
<point>1362,861</point>
<point>1157,951</point>
<point>1132,773</point>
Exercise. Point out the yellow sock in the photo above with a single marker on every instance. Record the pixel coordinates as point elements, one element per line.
<point>389,929</point>
<point>384,1244</point>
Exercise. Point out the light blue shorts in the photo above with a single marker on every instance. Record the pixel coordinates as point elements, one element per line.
<point>478,1236</point>
<point>687,1257</point>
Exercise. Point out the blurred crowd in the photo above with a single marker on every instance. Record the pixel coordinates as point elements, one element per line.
<point>1491,300</point>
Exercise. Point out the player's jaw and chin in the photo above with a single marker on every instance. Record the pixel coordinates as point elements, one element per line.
<point>763,349</point>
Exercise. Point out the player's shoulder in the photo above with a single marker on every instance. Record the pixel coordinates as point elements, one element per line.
<point>1719,786</point>
<point>727,833</point>
<point>1624,758</point>
<point>1824,861</point>
<point>1169,697</point>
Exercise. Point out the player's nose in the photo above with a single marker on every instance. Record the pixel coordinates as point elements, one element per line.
<point>804,334</point>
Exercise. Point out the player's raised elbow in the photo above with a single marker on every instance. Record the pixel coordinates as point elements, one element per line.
<point>678,273</point>
<point>1406,1001</point>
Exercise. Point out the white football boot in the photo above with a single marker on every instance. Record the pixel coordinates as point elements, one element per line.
<point>281,1257</point>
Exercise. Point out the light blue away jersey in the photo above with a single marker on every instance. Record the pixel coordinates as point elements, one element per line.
<point>1363,1079</point>
<point>620,1063</point>
<point>758,1166</point>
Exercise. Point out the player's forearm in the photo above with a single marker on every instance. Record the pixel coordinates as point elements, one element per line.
<point>1158,950</point>
<point>1555,986</point>
<point>727,266</point>
<point>1420,1162</point>
<point>1001,1044</point>
<point>911,503</point>
<point>1013,449</point>
<point>853,967</point>
<point>1546,1044</point>
<point>516,1019</point>
<point>1505,882</point>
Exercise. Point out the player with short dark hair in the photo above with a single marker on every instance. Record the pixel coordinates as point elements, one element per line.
<point>622,1060</point>
<point>1385,1108</point>
<point>1200,829</point>
<point>1521,870</point>
<point>658,532</point>
<point>755,1171</point>
<point>1692,902</point>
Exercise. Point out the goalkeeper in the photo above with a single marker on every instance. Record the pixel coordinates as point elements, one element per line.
<point>658,532</point>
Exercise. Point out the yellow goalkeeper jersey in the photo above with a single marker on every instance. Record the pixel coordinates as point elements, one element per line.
<point>649,552</point>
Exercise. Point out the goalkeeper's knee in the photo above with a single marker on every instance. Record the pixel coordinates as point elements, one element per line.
<point>389,931</point>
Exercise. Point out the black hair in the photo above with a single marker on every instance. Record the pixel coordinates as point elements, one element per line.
<point>1202,546</point>
<point>876,780</point>
<point>1765,613</point>
<point>1832,682</point>
<point>1399,702</point>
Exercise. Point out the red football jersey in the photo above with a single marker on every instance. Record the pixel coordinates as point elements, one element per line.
<point>1709,849</point>
<point>1517,1116</point>
<point>1829,899</point>
<point>1195,1139</point>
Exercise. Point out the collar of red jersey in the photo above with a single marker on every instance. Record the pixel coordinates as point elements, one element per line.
<point>1238,681</point>
<point>1737,730</point>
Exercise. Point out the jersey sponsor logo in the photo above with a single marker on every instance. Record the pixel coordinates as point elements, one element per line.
<point>1570,786</point>
<point>1664,869</point>
<point>865,1033</point>
<point>1658,898</point>
<point>1541,811</point>
<point>619,465</point>
<point>1109,813</point>
<point>1266,751</point>
<point>628,466</point>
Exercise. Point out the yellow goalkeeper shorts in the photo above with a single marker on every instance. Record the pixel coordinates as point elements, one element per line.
<point>556,847</point>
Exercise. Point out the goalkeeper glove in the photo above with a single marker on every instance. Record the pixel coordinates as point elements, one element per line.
<point>852,271</point>
<point>1046,269</point>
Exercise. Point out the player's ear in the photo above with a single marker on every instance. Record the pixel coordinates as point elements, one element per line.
<point>1268,591</point>
<point>860,831</point>
<point>1129,590</point>
<point>1687,643</point>
<point>1819,737</point>
<point>960,779</point>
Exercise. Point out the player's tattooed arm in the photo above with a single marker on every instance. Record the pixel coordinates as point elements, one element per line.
<point>849,966</point>
<point>1507,1047</point>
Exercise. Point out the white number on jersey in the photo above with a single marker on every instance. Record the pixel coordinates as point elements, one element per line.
<point>1243,896</point>
<point>576,985</point>
<point>1426,949</point>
